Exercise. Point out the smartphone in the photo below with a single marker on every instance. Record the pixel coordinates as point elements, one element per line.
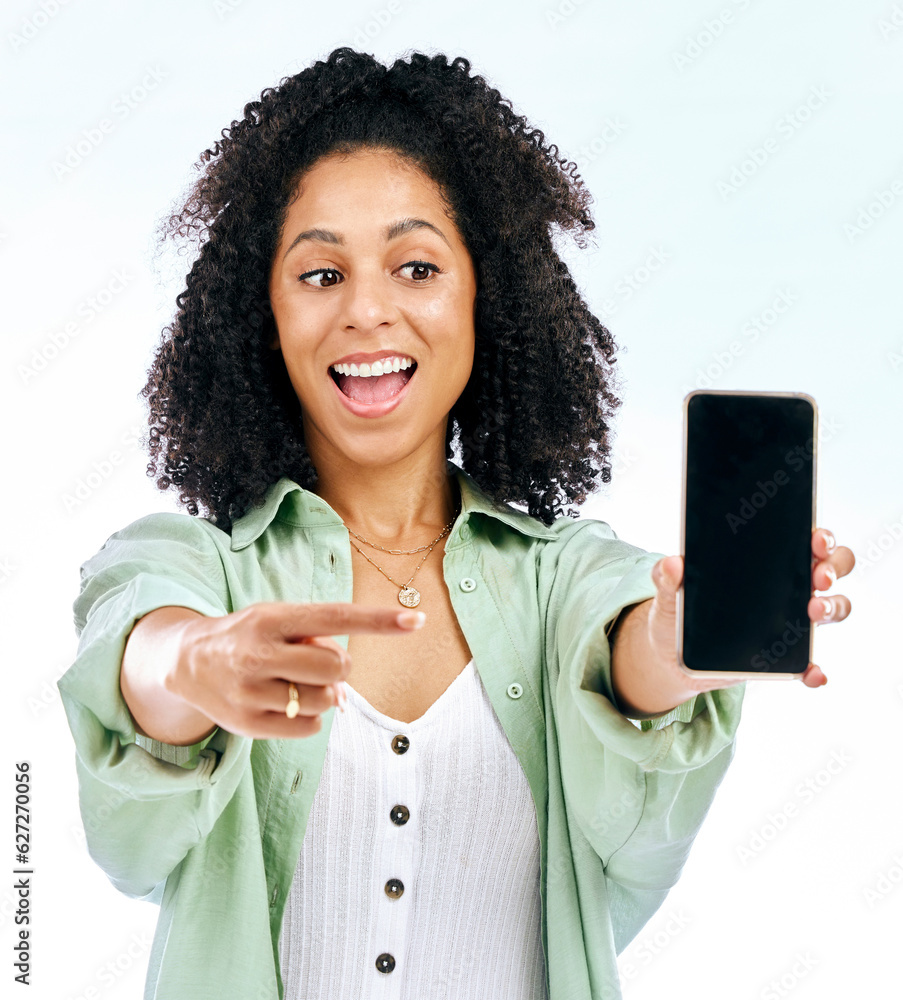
<point>747,521</point>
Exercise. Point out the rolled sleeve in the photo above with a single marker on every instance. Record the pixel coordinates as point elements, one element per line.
<point>595,582</point>
<point>129,784</point>
<point>638,791</point>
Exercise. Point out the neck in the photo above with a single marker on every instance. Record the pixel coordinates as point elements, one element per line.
<point>403,504</point>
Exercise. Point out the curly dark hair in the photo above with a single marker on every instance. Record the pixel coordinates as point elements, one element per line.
<point>531,424</point>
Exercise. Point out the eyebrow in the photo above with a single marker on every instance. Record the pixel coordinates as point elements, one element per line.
<point>395,229</point>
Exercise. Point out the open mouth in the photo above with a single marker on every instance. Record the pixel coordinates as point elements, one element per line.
<point>373,388</point>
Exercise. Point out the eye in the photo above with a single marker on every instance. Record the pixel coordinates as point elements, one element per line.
<point>319,271</point>
<point>421,264</point>
<point>417,264</point>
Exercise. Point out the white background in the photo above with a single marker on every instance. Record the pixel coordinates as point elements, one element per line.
<point>661,110</point>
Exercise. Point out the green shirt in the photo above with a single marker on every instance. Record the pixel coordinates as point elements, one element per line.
<point>213,832</point>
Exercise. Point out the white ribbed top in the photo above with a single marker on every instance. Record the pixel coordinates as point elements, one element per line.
<point>467,925</point>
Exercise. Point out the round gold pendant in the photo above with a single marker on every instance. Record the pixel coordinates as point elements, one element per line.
<point>409,597</point>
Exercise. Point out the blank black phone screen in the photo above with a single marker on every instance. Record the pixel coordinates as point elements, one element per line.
<point>749,512</point>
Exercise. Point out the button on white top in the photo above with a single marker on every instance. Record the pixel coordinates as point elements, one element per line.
<point>467,584</point>
<point>469,852</point>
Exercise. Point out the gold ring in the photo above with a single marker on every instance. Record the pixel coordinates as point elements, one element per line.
<point>294,705</point>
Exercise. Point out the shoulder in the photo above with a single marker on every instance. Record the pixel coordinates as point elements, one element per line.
<point>163,543</point>
<point>158,559</point>
<point>570,529</point>
<point>578,538</point>
<point>172,527</point>
<point>589,548</point>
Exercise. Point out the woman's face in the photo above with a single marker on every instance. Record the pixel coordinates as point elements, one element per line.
<point>368,263</point>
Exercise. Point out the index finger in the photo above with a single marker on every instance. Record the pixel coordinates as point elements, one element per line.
<point>301,621</point>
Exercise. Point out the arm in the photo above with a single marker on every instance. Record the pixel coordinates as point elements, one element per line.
<point>641,687</point>
<point>637,793</point>
<point>152,653</point>
<point>143,808</point>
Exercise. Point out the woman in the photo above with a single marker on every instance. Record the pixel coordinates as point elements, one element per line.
<point>376,292</point>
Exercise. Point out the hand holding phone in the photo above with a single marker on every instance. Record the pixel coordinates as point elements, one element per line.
<point>729,597</point>
<point>748,518</point>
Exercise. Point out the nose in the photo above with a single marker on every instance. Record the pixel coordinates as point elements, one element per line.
<point>368,301</point>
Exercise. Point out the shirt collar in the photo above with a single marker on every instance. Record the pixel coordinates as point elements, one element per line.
<point>296,505</point>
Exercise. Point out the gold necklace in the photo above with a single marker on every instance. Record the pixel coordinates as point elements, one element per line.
<point>408,596</point>
<point>399,552</point>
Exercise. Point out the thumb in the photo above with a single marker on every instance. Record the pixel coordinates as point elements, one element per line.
<point>667,574</point>
<point>327,642</point>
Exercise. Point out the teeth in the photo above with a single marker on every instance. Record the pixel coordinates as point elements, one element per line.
<point>393,364</point>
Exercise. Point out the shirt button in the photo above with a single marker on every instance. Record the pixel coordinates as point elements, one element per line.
<point>515,690</point>
<point>394,888</point>
<point>399,815</point>
<point>464,531</point>
<point>385,962</point>
<point>467,584</point>
<point>400,744</point>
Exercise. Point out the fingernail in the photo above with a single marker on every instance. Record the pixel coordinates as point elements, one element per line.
<point>832,575</point>
<point>827,605</point>
<point>830,542</point>
<point>411,619</point>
